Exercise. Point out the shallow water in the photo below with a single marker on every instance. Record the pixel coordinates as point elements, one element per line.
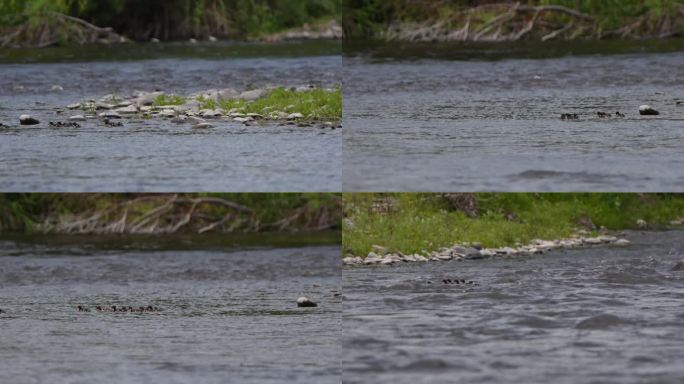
<point>157,155</point>
<point>490,120</point>
<point>228,314</point>
<point>598,315</point>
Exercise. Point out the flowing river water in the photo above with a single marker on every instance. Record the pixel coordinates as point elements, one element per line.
<point>440,117</point>
<point>593,315</point>
<point>157,155</point>
<point>228,312</point>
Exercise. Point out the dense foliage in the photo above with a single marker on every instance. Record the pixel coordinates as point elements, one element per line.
<point>169,19</point>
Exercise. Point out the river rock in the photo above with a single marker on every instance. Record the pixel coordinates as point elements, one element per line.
<point>296,115</point>
<point>77,118</point>
<point>243,119</point>
<point>387,260</point>
<point>602,321</point>
<point>110,115</point>
<point>202,126</point>
<point>679,266</point>
<point>212,39</point>
<point>252,95</point>
<point>100,105</point>
<point>487,253</point>
<point>305,302</point>
<point>641,224</point>
<point>210,113</point>
<point>352,261</point>
<point>168,113</point>
<point>127,110</point>
<point>28,120</point>
<point>420,258</point>
<point>647,110</point>
<point>147,98</point>
<point>622,242</point>
<point>74,106</point>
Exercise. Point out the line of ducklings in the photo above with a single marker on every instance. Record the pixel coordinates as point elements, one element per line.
<point>120,308</point>
<point>644,110</point>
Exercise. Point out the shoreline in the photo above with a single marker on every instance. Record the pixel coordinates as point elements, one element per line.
<point>460,252</point>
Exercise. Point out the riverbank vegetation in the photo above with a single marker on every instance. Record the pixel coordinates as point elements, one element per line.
<point>169,213</point>
<point>414,222</point>
<point>484,20</point>
<point>314,104</point>
<point>50,22</point>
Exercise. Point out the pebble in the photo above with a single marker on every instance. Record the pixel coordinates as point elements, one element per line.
<point>77,118</point>
<point>28,120</point>
<point>647,110</point>
<point>305,302</point>
<point>296,115</point>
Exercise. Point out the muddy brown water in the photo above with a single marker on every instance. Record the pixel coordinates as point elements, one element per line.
<point>228,311</point>
<point>595,315</point>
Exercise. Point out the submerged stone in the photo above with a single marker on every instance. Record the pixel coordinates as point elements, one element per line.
<point>647,110</point>
<point>28,120</point>
<point>305,302</point>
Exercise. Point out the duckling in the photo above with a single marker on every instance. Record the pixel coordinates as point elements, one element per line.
<point>110,123</point>
<point>603,115</point>
<point>1,311</point>
<point>618,114</point>
<point>569,116</point>
<point>83,309</point>
<point>99,309</point>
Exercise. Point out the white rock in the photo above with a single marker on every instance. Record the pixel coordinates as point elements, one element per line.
<point>127,110</point>
<point>57,88</point>
<point>242,119</point>
<point>77,118</point>
<point>74,106</point>
<point>305,302</point>
<point>210,113</point>
<point>295,115</point>
<point>212,39</point>
<point>168,113</point>
<point>252,95</point>
<point>647,110</point>
<point>28,120</point>
<point>622,242</point>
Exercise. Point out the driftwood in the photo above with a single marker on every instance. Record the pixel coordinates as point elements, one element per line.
<point>516,21</point>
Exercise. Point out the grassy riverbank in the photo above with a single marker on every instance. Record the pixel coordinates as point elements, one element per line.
<point>48,22</point>
<point>473,20</point>
<point>169,213</point>
<point>412,222</point>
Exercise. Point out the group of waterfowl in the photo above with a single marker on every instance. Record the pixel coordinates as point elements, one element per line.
<point>122,308</point>
<point>458,281</point>
<point>644,110</point>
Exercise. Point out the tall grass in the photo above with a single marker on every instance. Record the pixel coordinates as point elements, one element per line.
<point>427,221</point>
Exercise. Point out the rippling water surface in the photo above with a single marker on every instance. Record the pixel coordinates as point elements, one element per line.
<point>486,119</point>
<point>156,155</point>
<point>228,314</point>
<point>600,315</point>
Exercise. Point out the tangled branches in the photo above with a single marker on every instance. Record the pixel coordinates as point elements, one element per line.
<point>169,214</point>
<point>516,21</point>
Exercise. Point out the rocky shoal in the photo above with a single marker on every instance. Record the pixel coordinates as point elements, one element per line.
<point>381,256</point>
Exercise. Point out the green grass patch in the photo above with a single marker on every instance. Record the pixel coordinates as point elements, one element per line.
<point>428,222</point>
<point>169,100</point>
<point>314,104</point>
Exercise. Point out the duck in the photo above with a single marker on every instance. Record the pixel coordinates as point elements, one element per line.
<point>603,115</point>
<point>569,116</point>
<point>618,114</point>
<point>83,309</point>
<point>457,281</point>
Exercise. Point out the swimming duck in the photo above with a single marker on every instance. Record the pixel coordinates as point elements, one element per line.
<point>457,281</point>
<point>618,114</point>
<point>569,116</point>
<point>603,115</point>
<point>83,309</point>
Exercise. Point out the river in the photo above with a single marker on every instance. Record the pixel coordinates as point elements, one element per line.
<point>228,310</point>
<point>438,117</point>
<point>157,155</point>
<point>593,315</point>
